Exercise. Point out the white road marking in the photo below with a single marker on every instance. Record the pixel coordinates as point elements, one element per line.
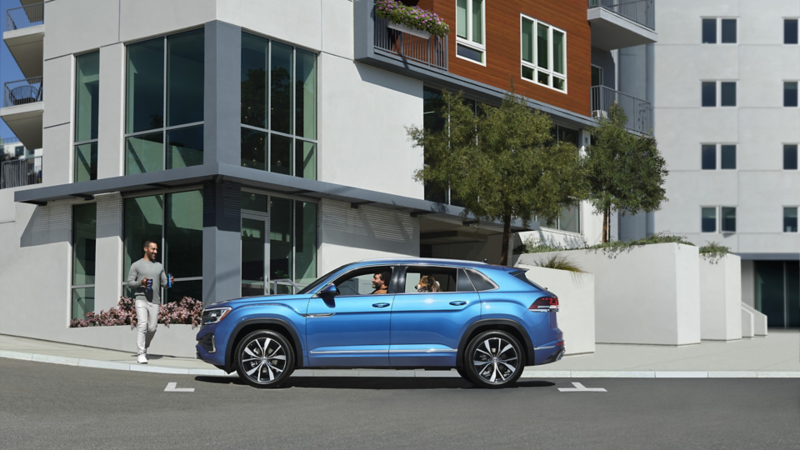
<point>173,387</point>
<point>580,388</point>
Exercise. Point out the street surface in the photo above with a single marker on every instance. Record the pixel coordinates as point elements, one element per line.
<point>53,406</point>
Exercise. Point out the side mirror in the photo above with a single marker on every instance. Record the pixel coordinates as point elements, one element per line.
<point>328,291</point>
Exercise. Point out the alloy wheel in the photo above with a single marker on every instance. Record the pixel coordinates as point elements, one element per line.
<point>263,359</point>
<point>496,359</point>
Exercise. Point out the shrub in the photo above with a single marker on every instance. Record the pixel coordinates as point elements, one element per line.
<point>187,311</point>
<point>559,262</point>
<point>713,251</point>
<point>533,246</point>
<point>412,17</point>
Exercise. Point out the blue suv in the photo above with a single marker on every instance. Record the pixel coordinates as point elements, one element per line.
<point>486,321</point>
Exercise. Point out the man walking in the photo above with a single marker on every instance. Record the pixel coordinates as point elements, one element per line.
<point>147,276</point>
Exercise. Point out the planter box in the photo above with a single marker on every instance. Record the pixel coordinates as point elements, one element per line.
<point>721,298</point>
<point>644,295</point>
<point>175,340</point>
<point>408,30</point>
<point>575,293</point>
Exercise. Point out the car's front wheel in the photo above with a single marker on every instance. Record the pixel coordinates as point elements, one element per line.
<point>264,358</point>
<point>494,359</point>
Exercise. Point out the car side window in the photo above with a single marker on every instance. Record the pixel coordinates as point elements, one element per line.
<point>430,279</point>
<point>463,284</point>
<point>359,282</point>
<point>481,282</point>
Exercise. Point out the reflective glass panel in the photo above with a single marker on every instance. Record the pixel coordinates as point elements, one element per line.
<point>770,297</point>
<point>790,220</point>
<point>477,21</point>
<point>709,157</point>
<point>281,88</point>
<point>185,147</point>
<point>305,242</point>
<point>709,31</point>
<point>144,153</point>
<point>84,235</point>
<point>527,40</point>
<point>790,157</point>
<point>145,86</point>
<point>790,93</point>
<point>570,219</point>
<point>727,156</point>
<point>280,243</point>
<point>558,52</point>
<point>183,238</point>
<point>709,220</point>
<point>254,149</point>
<point>559,83</point>
<point>527,73</point>
<point>82,302</point>
<point>469,53</point>
<point>255,95</point>
<point>143,219</point>
<point>306,160</point>
<point>185,69</point>
<point>728,219</point>
<point>85,162</point>
<point>542,48</point>
<point>792,269</point>
<point>728,31</point>
<point>790,31</point>
<point>709,93</point>
<point>306,95</point>
<point>192,289</point>
<point>87,95</point>
<point>253,256</point>
<point>461,18</point>
<point>281,155</point>
<point>254,202</point>
<point>728,93</point>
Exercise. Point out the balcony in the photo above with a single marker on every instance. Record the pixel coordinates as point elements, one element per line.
<point>23,106</point>
<point>639,112</point>
<point>430,52</point>
<point>618,24</point>
<point>22,172</point>
<point>24,36</point>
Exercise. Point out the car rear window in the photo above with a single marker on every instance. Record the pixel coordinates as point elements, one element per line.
<point>521,275</point>
<point>480,281</point>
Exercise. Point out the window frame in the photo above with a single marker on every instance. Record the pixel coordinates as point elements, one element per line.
<point>797,30</point>
<point>390,289</point>
<point>722,220</point>
<point>72,285</point>
<point>797,218</point>
<point>796,155</point>
<point>468,42</point>
<point>718,32</point>
<point>551,73</point>
<point>716,219</point>
<point>797,93</point>
<point>718,93</point>
<point>75,142</point>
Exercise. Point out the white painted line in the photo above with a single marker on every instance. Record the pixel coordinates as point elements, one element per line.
<point>677,374</point>
<point>580,388</point>
<point>173,387</point>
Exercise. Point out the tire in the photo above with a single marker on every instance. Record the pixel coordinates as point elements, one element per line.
<point>264,372</point>
<point>464,375</point>
<point>494,359</point>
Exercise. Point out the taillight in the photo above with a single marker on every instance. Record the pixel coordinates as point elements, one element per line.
<point>548,303</point>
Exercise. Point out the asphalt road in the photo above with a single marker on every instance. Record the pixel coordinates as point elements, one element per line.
<point>51,406</point>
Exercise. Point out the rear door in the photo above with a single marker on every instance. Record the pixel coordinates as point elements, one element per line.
<point>433,307</point>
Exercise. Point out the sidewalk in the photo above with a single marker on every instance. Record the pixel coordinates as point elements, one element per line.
<point>774,356</point>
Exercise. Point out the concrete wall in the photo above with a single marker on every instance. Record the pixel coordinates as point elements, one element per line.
<point>749,283</point>
<point>647,295</point>
<point>576,316</point>
<point>720,298</point>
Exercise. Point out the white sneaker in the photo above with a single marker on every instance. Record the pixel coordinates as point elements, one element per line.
<point>142,359</point>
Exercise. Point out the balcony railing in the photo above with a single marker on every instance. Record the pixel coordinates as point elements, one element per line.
<point>22,92</point>
<point>24,17</point>
<point>642,12</point>
<point>22,172</point>
<point>639,112</point>
<point>430,52</point>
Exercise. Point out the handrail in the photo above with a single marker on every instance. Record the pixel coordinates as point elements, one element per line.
<point>638,111</point>
<point>21,172</point>
<point>430,52</point>
<point>24,16</point>
<point>22,92</point>
<point>642,12</point>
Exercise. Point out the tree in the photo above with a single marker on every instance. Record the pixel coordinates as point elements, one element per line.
<point>626,171</point>
<point>501,163</point>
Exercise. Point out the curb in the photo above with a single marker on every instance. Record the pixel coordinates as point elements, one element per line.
<point>390,373</point>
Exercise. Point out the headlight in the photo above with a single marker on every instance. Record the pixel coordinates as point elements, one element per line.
<point>214,315</point>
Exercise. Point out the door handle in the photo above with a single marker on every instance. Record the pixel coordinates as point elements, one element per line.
<point>458,303</point>
<point>380,305</point>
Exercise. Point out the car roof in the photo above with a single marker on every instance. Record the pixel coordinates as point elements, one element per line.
<point>434,261</point>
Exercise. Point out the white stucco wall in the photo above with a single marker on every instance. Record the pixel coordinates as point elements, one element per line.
<point>720,298</point>
<point>749,283</point>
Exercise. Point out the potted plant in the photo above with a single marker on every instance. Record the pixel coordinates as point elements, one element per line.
<point>411,19</point>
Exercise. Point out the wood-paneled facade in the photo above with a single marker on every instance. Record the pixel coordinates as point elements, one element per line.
<point>503,48</point>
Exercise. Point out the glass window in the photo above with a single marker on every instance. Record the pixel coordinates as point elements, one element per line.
<point>469,30</point>
<point>728,219</point>
<point>19,151</point>
<point>709,93</point>
<point>544,60</point>
<point>292,100</point>
<point>480,281</point>
<point>527,41</point>
<point>280,242</point>
<point>790,31</point>
<point>87,77</point>
<point>597,76</point>
<point>84,253</point>
<point>790,220</point>
<point>728,31</point>
<point>728,93</point>
<point>790,93</point>
<point>181,100</point>
<point>709,31</point>
<point>430,279</point>
<point>461,18</point>
<point>709,220</point>
<point>463,284</point>
<point>790,157</point>
<point>542,49</point>
<point>143,221</point>
<point>305,246</point>
<point>570,219</point>
<point>727,156</point>
<point>709,157</point>
<point>359,282</point>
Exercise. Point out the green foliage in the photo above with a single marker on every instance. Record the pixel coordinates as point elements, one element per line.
<point>502,163</point>
<point>532,246</point>
<point>714,251</point>
<point>559,262</point>
<point>626,172</point>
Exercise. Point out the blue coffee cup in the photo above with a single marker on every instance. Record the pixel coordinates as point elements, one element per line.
<point>169,280</point>
<point>149,284</point>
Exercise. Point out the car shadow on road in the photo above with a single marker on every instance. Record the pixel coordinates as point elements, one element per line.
<point>374,383</point>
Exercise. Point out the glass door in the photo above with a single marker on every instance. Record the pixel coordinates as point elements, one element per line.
<point>255,248</point>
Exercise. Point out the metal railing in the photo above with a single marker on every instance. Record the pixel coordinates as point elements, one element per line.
<point>24,16</point>
<point>21,172</point>
<point>22,92</point>
<point>642,12</point>
<point>639,112</point>
<point>430,52</point>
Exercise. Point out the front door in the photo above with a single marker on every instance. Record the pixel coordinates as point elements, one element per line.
<point>352,328</point>
<point>255,248</point>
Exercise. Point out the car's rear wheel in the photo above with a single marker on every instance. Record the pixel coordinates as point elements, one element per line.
<point>264,359</point>
<point>494,359</point>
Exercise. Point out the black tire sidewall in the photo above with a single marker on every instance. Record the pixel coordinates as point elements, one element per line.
<point>469,367</point>
<point>289,358</point>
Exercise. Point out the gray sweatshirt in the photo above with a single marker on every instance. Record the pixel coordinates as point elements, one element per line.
<point>147,269</point>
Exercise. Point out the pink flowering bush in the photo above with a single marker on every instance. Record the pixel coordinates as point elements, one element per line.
<point>187,311</point>
<point>412,17</point>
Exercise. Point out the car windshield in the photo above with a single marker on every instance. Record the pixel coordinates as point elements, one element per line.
<point>321,280</point>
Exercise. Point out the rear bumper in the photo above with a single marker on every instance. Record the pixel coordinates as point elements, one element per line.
<point>549,353</point>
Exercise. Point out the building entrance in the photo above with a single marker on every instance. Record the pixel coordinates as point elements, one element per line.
<point>777,286</point>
